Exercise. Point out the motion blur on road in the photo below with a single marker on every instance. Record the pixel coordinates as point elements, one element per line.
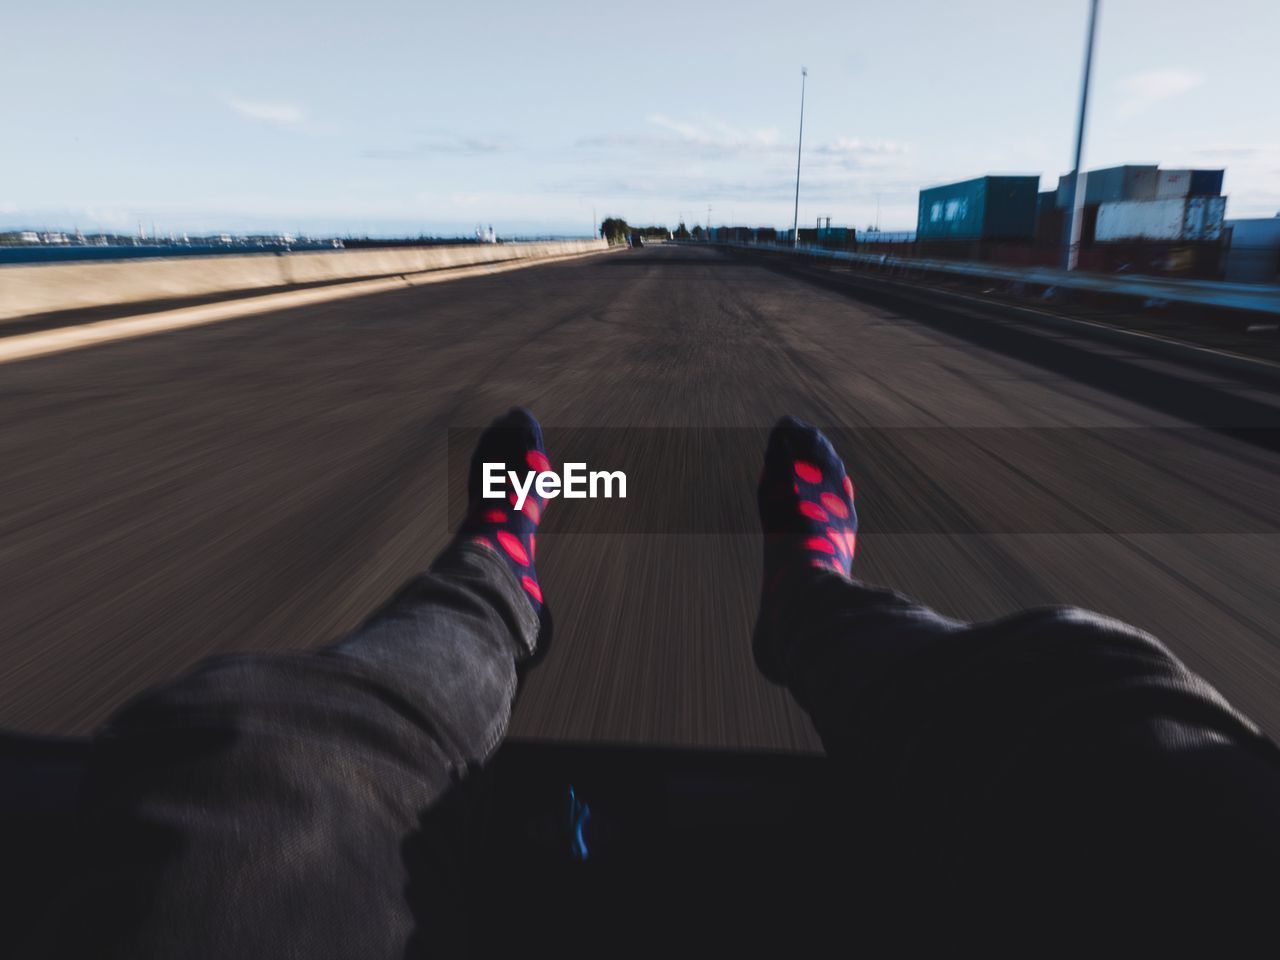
<point>264,483</point>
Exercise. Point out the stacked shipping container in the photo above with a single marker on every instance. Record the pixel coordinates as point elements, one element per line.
<point>1162,221</point>
<point>1173,219</point>
<point>1129,182</point>
<point>988,208</point>
<point>1144,219</point>
<point>1188,183</point>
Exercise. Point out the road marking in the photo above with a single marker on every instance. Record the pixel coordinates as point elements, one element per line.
<point>28,346</point>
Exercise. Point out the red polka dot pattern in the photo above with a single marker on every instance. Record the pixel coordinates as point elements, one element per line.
<point>834,504</point>
<point>812,524</point>
<point>530,508</point>
<point>515,549</point>
<point>827,507</point>
<point>515,439</point>
<point>813,511</point>
<point>820,544</point>
<point>808,472</point>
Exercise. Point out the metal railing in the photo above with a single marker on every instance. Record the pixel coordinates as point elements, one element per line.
<point>1254,297</point>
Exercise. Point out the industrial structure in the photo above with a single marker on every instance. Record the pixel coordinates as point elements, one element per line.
<point>1135,219</point>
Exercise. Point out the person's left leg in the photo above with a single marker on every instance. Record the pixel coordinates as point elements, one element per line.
<point>271,805</point>
<point>1050,745</point>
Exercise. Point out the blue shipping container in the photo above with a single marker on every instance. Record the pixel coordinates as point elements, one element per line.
<point>988,208</point>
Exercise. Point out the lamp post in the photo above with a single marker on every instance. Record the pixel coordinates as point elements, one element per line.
<point>795,217</point>
<point>1072,253</point>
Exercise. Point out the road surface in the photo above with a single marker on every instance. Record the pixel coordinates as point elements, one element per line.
<point>264,483</point>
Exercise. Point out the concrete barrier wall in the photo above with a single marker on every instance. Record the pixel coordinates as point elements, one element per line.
<point>28,289</point>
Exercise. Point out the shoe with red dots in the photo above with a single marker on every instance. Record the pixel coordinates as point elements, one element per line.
<point>514,439</point>
<point>806,504</point>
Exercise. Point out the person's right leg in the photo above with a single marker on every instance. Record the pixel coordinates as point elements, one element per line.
<point>1041,733</point>
<point>307,804</point>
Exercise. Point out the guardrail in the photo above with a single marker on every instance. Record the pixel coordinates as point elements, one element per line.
<point>1256,298</point>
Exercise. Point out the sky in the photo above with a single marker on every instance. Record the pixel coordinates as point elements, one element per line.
<point>390,118</point>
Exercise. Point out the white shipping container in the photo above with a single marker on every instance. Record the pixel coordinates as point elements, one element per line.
<point>1172,183</point>
<point>1188,218</point>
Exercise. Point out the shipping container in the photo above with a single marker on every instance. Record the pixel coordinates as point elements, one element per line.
<point>1053,226</point>
<point>982,209</point>
<point>1188,260</point>
<point>1189,218</point>
<point>1188,183</point>
<point>1112,184</point>
<point>837,238</point>
<point>1254,254</point>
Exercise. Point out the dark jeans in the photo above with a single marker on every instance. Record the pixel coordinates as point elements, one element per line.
<point>268,805</point>
<point>1048,751</point>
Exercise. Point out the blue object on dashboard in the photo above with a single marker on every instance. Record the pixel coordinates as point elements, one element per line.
<point>579,814</point>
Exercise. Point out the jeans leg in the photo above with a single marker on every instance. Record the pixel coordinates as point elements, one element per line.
<point>1055,738</point>
<point>264,805</point>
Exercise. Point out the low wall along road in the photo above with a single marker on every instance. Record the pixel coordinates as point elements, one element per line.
<point>29,290</point>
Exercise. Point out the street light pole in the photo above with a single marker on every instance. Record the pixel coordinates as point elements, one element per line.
<point>1072,259</point>
<point>795,218</point>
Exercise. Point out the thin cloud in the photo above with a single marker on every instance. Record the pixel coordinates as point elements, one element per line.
<point>1144,90</point>
<point>842,146</point>
<point>1229,151</point>
<point>715,140</point>
<point>278,113</point>
<point>718,136</point>
<point>832,187</point>
<point>459,146</point>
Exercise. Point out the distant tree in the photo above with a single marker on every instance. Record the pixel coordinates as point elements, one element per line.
<point>682,232</point>
<point>697,231</point>
<point>615,230</point>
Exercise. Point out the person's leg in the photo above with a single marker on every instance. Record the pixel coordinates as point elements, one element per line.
<point>272,805</point>
<point>1026,734</point>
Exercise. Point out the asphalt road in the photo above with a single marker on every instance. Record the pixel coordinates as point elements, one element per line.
<point>264,483</point>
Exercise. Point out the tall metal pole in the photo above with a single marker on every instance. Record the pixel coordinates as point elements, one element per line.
<point>1077,178</point>
<point>795,218</point>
